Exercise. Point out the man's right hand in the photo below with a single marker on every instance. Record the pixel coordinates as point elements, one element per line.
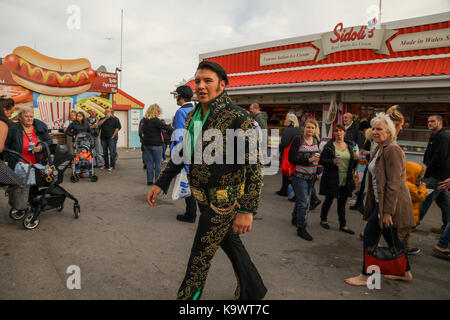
<point>444,184</point>
<point>152,194</point>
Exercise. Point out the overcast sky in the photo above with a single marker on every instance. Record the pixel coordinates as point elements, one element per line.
<point>163,39</point>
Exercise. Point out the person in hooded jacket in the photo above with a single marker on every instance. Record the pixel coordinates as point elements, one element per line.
<point>418,191</point>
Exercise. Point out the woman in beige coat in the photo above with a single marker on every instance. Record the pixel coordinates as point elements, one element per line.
<point>388,202</point>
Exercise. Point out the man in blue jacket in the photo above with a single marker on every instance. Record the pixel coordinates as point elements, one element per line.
<point>184,95</point>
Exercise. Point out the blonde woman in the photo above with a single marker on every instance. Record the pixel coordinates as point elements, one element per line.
<point>152,142</point>
<point>304,153</point>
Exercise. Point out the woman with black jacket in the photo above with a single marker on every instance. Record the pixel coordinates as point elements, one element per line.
<point>338,160</point>
<point>152,142</point>
<point>78,126</point>
<point>24,136</point>
<point>292,131</point>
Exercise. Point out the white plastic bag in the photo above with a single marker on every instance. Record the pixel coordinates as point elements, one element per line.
<point>181,188</point>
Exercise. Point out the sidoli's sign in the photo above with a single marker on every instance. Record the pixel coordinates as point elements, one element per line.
<point>353,38</point>
<point>340,35</point>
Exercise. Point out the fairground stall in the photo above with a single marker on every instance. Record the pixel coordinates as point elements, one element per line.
<point>54,87</point>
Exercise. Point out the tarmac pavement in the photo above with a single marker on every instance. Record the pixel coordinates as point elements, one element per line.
<point>127,250</point>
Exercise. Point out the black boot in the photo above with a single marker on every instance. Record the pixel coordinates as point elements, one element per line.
<point>302,233</point>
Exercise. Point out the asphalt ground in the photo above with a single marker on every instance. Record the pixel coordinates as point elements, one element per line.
<point>128,250</point>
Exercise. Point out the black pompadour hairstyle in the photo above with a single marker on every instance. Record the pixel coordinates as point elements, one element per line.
<point>215,67</point>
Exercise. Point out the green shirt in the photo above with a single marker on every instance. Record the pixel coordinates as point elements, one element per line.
<point>196,125</point>
<point>343,165</point>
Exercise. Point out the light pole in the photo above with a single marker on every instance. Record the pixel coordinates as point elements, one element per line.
<point>121,46</point>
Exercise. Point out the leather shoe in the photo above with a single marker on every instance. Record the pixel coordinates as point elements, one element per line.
<point>185,218</point>
<point>347,230</point>
<point>324,225</point>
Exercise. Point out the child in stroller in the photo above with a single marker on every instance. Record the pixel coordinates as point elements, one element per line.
<point>83,160</point>
<point>83,145</point>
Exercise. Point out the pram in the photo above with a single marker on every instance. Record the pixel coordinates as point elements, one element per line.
<point>49,195</point>
<point>82,141</point>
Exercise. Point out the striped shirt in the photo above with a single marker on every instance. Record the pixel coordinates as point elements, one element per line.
<point>307,172</point>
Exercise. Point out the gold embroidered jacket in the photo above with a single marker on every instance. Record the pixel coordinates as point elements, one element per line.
<point>223,186</point>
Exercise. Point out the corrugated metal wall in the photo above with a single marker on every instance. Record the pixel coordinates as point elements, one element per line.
<point>250,61</point>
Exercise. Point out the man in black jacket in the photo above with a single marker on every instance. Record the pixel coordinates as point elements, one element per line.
<point>436,158</point>
<point>353,134</point>
<point>226,189</point>
<point>109,129</point>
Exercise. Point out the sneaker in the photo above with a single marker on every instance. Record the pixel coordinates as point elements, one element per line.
<point>302,233</point>
<point>185,218</point>
<point>281,194</point>
<point>314,205</point>
<point>413,251</point>
<point>111,169</point>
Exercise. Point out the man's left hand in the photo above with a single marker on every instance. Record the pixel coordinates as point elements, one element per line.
<point>243,223</point>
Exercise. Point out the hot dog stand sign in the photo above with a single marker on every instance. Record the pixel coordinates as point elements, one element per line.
<point>53,85</point>
<point>47,75</point>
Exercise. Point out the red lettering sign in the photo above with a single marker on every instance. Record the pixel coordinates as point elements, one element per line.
<point>350,34</point>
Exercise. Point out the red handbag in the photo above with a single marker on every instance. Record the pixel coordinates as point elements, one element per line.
<point>287,168</point>
<point>390,260</point>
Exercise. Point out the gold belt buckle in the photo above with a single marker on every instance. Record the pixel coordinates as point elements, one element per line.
<point>222,194</point>
<point>198,194</point>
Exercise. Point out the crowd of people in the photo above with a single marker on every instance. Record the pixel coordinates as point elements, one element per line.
<point>394,195</point>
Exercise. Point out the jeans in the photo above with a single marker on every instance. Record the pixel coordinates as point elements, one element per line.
<point>342,200</point>
<point>108,152</point>
<point>372,234</point>
<point>302,188</point>
<point>152,159</point>
<point>98,157</point>
<point>115,147</point>
<point>213,231</point>
<point>444,240</point>
<point>442,200</point>
<point>285,187</point>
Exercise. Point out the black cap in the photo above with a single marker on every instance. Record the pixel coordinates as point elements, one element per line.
<point>185,92</point>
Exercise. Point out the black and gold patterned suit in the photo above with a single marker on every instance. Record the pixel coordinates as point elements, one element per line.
<point>222,190</point>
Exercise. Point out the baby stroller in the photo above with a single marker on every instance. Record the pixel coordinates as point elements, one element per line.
<point>84,147</point>
<point>49,194</point>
